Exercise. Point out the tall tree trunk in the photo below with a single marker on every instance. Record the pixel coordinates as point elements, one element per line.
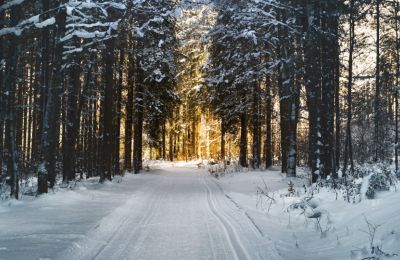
<point>284,85</point>
<point>57,88</point>
<point>313,86</point>
<point>92,125</point>
<point>2,99</point>
<point>396,96</point>
<point>129,110</point>
<point>243,139</point>
<point>194,134</point>
<point>11,84</point>
<point>377,85</point>
<point>107,145</point>
<point>138,125</point>
<point>268,122</point>
<point>294,118</point>
<point>328,61</point>
<point>46,91</point>
<point>337,115</point>
<point>284,111</point>
<point>71,124</point>
<point>119,107</point>
<point>164,139</point>
<point>256,126</point>
<point>37,108</point>
<point>171,138</point>
<point>349,147</point>
<point>222,152</point>
<point>30,116</point>
<point>18,114</point>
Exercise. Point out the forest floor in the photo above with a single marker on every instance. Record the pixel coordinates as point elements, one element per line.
<point>177,211</point>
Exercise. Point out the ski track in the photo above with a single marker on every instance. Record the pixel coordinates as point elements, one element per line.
<point>125,243</point>
<point>104,232</point>
<point>229,230</point>
<point>255,226</point>
<point>182,214</point>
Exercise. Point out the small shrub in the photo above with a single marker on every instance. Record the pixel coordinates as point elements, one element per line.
<point>379,177</point>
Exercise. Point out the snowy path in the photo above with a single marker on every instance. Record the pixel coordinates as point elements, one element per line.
<point>183,215</point>
<point>181,212</point>
<point>169,213</point>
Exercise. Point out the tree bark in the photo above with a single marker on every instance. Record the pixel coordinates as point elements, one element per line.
<point>71,124</point>
<point>268,122</point>
<point>349,147</point>
<point>284,85</point>
<point>117,124</point>
<point>57,88</point>
<point>313,86</point>
<point>222,152</point>
<point>256,127</point>
<point>3,100</point>
<point>396,96</point>
<point>11,83</point>
<point>243,140</point>
<point>107,142</point>
<point>294,118</point>
<point>129,110</point>
<point>164,138</point>
<point>328,61</point>
<point>377,86</point>
<point>284,105</point>
<point>138,127</point>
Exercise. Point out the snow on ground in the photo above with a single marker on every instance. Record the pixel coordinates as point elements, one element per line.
<point>178,211</point>
<point>41,228</point>
<point>340,233</point>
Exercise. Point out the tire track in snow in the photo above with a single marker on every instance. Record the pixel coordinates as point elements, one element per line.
<point>255,226</point>
<point>273,251</point>
<point>141,227</point>
<point>100,237</point>
<point>230,231</point>
<point>211,240</point>
<point>147,216</point>
<point>111,238</point>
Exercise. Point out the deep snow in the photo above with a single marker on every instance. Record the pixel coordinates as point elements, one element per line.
<point>340,232</point>
<point>176,211</point>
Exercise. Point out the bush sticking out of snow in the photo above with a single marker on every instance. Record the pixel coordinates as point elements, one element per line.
<point>4,190</point>
<point>28,187</point>
<point>219,169</point>
<point>309,207</point>
<point>264,198</point>
<point>380,180</point>
<point>375,250</point>
<point>364,183</point>
<point>117,179</point>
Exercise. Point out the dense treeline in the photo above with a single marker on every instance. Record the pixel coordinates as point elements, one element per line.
<point>296,46</point>
<point>90,88</point>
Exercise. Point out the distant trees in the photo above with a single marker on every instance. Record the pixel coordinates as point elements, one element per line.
<point>235,71</point>
<point>302,51</point>
<point>279,41</point>
<point>155,84</point>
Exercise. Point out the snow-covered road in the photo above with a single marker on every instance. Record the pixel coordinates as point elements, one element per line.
<point>180,214</point>
<point>177,211</point>
<point>169,213</point>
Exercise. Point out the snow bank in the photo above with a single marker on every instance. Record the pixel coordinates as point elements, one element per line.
<point>322,227</point>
